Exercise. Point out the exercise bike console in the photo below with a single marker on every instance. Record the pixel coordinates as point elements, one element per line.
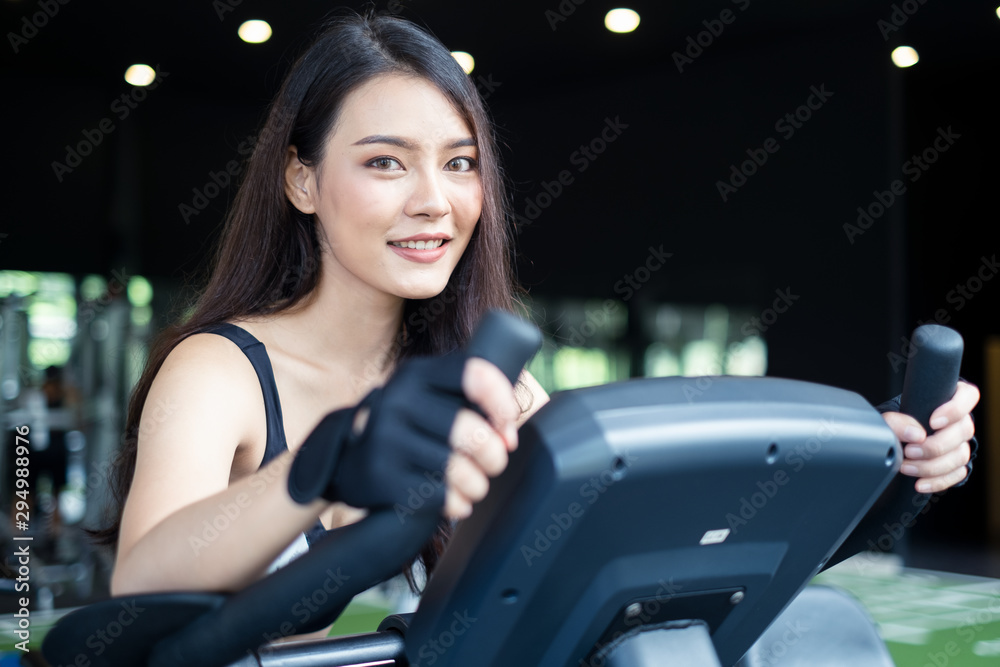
<point>641,504</point>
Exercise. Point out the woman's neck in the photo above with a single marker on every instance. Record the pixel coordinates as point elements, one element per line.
<point>344,326</point>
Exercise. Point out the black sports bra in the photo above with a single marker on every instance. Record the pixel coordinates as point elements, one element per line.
<point>276,443</point>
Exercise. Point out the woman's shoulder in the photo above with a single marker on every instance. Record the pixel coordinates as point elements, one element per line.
<point>205,394</point>
<point>210,368</point>
<point>207,353</point>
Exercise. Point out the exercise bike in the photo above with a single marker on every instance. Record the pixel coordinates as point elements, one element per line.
<point>662,521</point>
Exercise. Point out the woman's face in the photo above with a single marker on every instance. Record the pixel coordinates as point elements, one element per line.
<point>397,193</point>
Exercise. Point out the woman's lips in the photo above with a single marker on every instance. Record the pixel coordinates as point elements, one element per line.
<point>424,255</point>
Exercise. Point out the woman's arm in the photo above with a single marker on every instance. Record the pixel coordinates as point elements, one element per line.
<point>185,527</point>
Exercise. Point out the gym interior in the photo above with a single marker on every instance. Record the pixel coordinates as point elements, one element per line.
<point>736,188</point>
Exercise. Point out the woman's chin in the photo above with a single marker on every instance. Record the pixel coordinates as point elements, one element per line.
<point>422,295</point>
<point>421,286</point>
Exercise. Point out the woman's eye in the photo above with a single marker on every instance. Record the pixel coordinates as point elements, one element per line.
<point>461,164</point>
<point>385,164</point>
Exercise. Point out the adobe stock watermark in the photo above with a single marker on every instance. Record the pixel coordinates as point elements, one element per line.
<point>229,512</point>
<point>432,650</point>
<point>696,44</point>
<point>215,184</point>
<point>220,523</point>
<point>418,321</point>
<point>486,86</point>
<point>783,300</point>
<point>787,125</point>
<point>155,414</point>
<point>581,158</point>
<point>223,7</point>
<point>637,614</point>
<point>795,459</point>
<point>894,530</point>
<point>87,313</point>
<point>419,495</point>
<point>99,641</point>
<point>629,284</point>
<point>754,326</point>
<point>435,481</point>
<point>960,296</point>
<point>562,12</point>
<point>914,168</point>
<point>966,291</point>
<point>590,491</point>
<point>90,309</point>
<point>900,14</point>
<point>304,608</point>
<point>217,181</point>
<point>47,9</point>
<point>772,654</point>
<point>974,623</point>
<point>632,282</point>
<point>121,107</point>
<point>647,611</point>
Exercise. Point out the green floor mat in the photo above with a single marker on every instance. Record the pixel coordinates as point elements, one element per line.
<point>932,619</point>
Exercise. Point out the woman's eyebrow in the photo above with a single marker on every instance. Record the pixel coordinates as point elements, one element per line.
<point>386,139</point>
<point>406,143</point>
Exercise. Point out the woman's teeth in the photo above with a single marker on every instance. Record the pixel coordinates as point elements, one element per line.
<point>418,245</point>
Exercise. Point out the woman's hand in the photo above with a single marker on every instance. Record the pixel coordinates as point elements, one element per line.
<point>938,461</point>
<point>480,446</point>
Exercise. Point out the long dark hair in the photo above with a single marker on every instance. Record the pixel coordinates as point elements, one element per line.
<point>268,257</point>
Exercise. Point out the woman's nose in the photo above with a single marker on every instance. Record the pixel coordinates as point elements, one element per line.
<point>428,198</point>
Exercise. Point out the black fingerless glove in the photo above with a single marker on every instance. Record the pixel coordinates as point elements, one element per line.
<point>404,443</point>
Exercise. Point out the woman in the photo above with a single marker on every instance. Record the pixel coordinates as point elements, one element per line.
<point>374,189</point>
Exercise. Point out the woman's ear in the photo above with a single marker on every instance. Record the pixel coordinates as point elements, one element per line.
<point>300,182</point>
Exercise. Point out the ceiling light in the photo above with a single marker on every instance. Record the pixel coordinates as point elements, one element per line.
<point>465,60</point>
<point>904,56</point>
<point>621,20</point>
<point>140,75</point>
<point>254,32</point>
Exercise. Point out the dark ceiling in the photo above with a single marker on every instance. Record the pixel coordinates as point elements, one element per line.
<point>524,40</point>
<point>551,73</point>
<point>63,62</point>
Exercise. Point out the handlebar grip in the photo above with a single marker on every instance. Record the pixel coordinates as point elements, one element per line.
<point>932,371</point>
<point>506,341</point>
